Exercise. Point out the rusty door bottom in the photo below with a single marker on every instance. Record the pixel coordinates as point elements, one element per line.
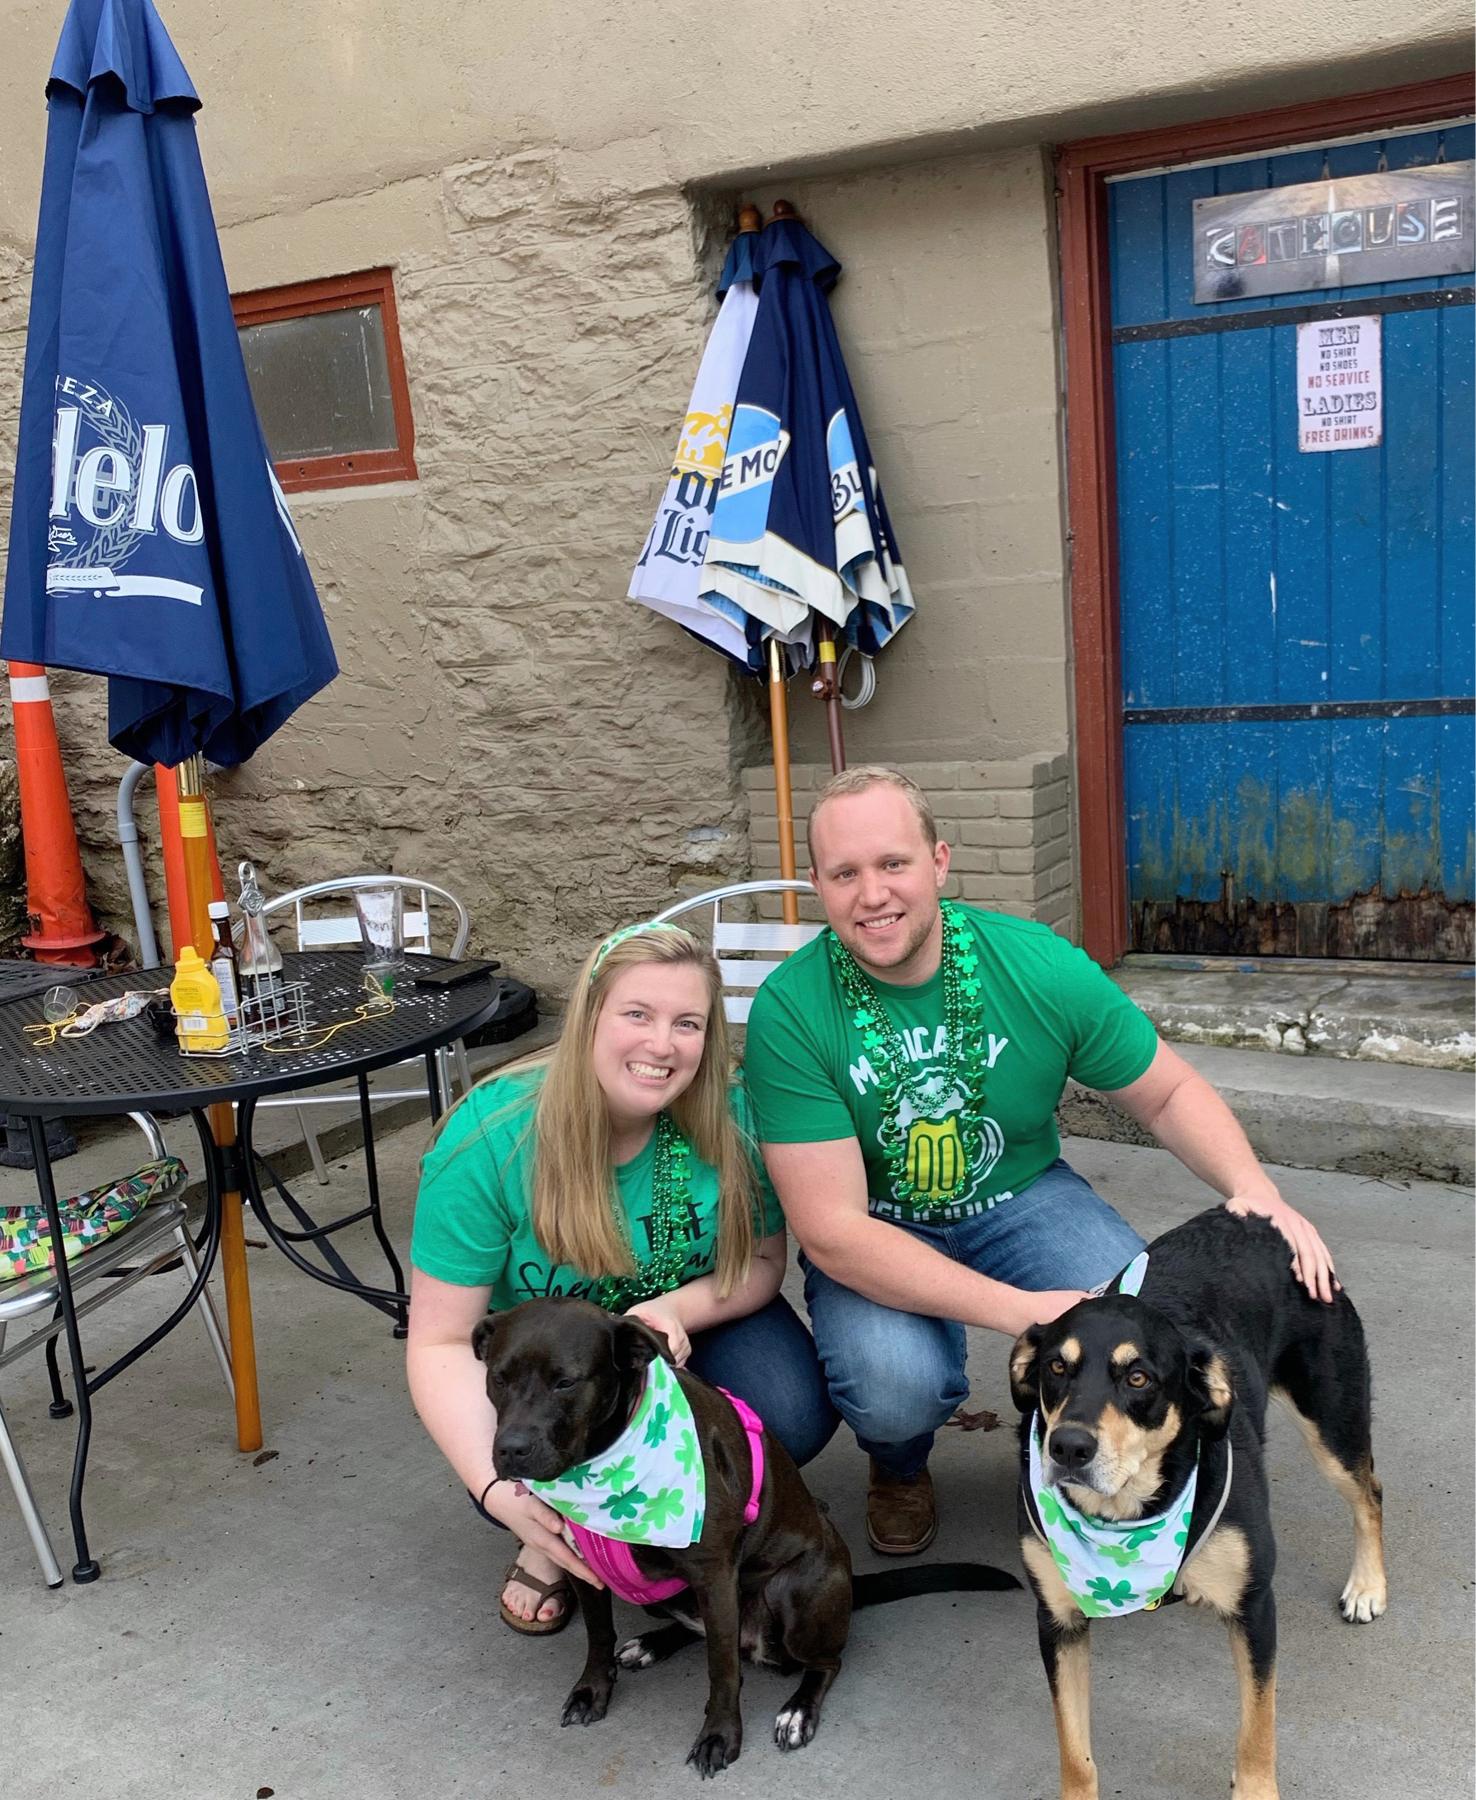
<point>1423,927</point>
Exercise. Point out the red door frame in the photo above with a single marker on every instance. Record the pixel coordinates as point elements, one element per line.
<point>1082,170</point>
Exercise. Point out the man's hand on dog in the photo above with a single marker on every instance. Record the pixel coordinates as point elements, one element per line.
<point>538,1526</point>
<point>661,1316</point>
<point>1312,1262</point>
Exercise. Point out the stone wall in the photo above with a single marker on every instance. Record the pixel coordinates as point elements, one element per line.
<point>1008,825</point>
<point>949,316</point>
<point>505,721</point>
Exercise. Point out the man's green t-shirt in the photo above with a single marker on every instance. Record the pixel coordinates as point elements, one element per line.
<point>473,1215</point>
<point>1048,1012</point>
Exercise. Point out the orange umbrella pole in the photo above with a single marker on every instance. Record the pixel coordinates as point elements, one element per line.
<point>56,893</point>
<point>191,867</point>
<point>783,793</point>
<point>238,1295</point>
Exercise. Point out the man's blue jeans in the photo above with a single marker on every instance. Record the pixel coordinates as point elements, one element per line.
<point>895,1377</point>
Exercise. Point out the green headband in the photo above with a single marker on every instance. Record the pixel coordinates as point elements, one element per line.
<point>629,931</point>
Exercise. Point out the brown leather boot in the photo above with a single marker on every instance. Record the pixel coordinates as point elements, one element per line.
<point>901,1515</point>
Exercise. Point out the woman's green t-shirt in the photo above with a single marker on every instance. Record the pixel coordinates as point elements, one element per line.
<point>473,1216</point>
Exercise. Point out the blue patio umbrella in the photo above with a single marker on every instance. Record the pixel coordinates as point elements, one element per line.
<point>800,529</point>
<point>150,541</point>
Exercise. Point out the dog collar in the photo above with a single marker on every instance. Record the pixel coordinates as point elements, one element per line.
<point>650,1486</point>
<point>1111,1566</point>
<point>1127,1281</point>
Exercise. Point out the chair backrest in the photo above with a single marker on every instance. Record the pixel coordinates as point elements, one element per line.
<point>748,949</point>
<point>319,929</point>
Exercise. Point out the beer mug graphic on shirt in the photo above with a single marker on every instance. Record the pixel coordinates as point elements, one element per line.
<point>935,1157</point>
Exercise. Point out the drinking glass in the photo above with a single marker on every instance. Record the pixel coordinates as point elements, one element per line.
<point>381,923</point>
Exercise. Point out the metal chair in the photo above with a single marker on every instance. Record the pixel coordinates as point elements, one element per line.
<point>159,1235</point>
<point>317,930</point>
<point>749,949</point>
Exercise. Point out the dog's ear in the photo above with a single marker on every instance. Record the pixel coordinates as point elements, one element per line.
<point>1025,1368</point>
<point>482,1334</point>
<point>1210,1383</point>
<point>638,1344</point>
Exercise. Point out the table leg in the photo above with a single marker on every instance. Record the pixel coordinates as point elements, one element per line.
<point>376,1218</point>
<point>85,1568</point>
<point>238,1293</point>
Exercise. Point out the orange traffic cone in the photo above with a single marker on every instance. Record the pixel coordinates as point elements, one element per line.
<point>56,894</point>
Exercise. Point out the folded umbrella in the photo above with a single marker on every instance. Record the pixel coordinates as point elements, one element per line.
<point>800,524</point>
<point>149,541</point>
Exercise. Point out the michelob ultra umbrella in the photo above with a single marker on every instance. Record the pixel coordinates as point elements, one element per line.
<point>150,541</point>
<point>799,521</point>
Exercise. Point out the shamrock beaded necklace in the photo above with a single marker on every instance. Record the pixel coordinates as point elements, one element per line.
<point>965,1058</point>
<point>671,1195</point>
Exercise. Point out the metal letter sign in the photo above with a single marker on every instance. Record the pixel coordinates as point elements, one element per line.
<point>1331,234</point>
<point>1340,384</point>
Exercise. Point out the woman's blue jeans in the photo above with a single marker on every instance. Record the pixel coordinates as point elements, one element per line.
<point>769,1360</point>
<point>895,1377</point>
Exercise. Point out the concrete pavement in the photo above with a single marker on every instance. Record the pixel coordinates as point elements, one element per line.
<point>318,1622</point>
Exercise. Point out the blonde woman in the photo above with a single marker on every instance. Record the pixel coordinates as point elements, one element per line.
<point>620,1167</point>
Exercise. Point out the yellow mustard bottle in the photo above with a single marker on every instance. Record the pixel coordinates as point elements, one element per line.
<point>200,1022</point>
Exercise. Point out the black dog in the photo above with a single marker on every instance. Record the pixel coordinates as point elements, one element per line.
<point>564,1377</point>
<point>1130,1390</point>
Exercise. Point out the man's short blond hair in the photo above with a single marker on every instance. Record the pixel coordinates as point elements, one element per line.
<point>870,775</point>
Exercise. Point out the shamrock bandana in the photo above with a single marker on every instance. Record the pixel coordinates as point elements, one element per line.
<point>1111,1566</point>
<point>650,1486</point>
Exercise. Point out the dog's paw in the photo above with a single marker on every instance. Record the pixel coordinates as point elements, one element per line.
<point>1362,1602</point>
<point>795,1726</point>
<point>587,1705</point>
<point>715,1751</point>
<point>635,1653</point>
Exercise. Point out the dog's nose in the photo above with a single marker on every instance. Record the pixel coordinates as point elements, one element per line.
<point>511,1451</point>
<point>1073,1446</point>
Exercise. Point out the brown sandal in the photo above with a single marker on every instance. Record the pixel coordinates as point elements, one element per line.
<point>560,1588</point>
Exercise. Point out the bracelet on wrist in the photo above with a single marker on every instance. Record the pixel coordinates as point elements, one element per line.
<point>482,1502</point>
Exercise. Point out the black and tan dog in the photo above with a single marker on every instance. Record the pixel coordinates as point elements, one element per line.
<point>1130,1390</point>
<point>564,1377</point>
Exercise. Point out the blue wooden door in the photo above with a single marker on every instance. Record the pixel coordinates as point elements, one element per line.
<point>1296,627</point>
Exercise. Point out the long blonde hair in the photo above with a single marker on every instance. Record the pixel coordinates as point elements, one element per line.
<point>575,1210</point>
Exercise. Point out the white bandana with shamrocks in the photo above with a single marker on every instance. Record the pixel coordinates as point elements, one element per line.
<point>650,1486</point>
<point>1111,1566</point>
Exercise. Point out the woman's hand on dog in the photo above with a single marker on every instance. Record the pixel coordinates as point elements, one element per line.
<point>538,1527</point>
<point>1312,1262</point>
<point>661,1315</point>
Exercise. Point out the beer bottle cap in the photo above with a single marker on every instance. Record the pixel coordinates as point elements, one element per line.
<point>219,909</point>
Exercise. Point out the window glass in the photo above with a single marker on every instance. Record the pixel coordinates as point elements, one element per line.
<point>321,383</point>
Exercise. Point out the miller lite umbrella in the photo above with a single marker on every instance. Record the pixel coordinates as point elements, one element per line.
<point>671,575</point>
<point>150,541</point>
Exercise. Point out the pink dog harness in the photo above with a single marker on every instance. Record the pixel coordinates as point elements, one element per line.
<point>612,1559</point>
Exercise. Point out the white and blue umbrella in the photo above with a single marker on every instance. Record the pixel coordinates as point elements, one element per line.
<point>799,521</point>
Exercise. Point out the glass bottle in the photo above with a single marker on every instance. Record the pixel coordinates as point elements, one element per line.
<point>225,965</point>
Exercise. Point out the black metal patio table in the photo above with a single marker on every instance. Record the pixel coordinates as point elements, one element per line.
<point>125,1067</point>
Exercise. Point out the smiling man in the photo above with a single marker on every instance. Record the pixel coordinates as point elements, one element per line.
<point>905,1070</point>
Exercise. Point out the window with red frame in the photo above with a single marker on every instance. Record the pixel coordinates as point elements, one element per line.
<point>328,378</point>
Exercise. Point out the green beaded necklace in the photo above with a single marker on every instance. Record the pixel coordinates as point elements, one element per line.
<point>671,1195</point>
<point>965,1060</point>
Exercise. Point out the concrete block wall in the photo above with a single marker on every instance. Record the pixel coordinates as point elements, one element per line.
<point>1008,825</point>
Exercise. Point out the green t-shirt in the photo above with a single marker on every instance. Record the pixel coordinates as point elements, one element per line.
<point>473,1215</point>
<point>1049,1012</point>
